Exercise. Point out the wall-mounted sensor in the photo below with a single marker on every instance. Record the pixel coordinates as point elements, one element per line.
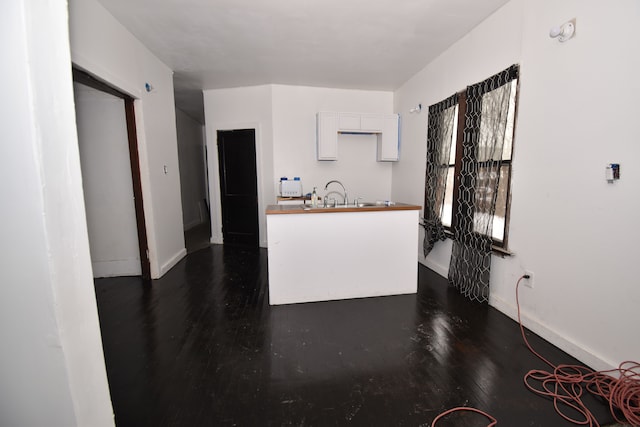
<point>416,109</point>
<point>148,87</point>
<point>612,172</point>
<point>564,32</point>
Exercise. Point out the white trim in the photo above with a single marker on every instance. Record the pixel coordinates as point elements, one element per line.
<point>147,193</point>
<point>115,268</point>
<point>215,211</point>
<point>192,224</point>
<point>173,261</point>
<point>103,74</point>
<point>438,268</point>
<point>585,355</point>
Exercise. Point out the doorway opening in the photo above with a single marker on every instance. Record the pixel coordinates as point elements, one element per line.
<point>238,186</point>
<point>111,178</point>
<point>194,187</point>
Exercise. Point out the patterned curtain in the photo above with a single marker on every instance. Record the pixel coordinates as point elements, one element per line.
<point>440,132</point>
<point>483,142</point>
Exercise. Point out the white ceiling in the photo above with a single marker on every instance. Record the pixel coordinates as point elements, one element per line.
<point>354,44</point>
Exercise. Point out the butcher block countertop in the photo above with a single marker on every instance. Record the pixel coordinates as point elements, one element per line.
<point>363,207</point>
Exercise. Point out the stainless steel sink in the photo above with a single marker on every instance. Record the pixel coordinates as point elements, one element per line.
<point>359,205</point>
<point>309,207</point>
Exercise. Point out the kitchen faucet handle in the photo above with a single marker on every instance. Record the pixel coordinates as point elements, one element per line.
<point>355,201</point>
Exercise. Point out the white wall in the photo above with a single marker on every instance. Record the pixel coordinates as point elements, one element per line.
<point>193,185</point>
<point>285,121</point>
<point>294,135</point>
<point>491,47</point>
<point>577,112</point>
<point>104,48</point>
<point>107,183</point>
<point>51,363</point>
<point>240,108</point>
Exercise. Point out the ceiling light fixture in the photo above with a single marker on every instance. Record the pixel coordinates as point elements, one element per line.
<point>564,32</point>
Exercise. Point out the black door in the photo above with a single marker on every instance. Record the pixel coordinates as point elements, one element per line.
<point>238,186</point>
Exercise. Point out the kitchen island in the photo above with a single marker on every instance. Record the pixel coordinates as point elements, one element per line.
<point>322,254</point>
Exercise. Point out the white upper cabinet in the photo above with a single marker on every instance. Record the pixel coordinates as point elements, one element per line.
<point>361,123</point>
<point>327,136</point>
<point>374,122</point>
<point>349,122</point>
<point>330,124</point>
<point>389,140</point>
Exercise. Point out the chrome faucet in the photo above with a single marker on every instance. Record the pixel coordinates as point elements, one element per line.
<point>344,196</point>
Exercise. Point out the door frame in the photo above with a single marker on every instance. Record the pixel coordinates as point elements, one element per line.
<point>214,179</point>
<point>86,79</point>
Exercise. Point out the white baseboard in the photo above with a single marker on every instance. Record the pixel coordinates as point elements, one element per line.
<point>126,267</point>
<point>191,225</point>
<point>172,262</point>
<point>216,240</point>
<point>438,268</point>
<point>584,355</point>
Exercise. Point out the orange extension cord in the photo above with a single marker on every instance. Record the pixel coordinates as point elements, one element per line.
<point>565,385</point>
<point>465,408</point>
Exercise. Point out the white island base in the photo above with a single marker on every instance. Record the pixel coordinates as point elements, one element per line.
<point>321,256</point>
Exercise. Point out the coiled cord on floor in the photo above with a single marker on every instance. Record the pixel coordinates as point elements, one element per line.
<point>566,384</point>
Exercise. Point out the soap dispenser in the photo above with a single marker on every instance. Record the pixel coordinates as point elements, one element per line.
<point>314,198</point>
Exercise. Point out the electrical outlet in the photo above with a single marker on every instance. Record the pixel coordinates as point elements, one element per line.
<point>528,282</point>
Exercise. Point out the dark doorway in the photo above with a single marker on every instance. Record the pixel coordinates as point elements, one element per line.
<point>238,186</point>
<point>86,79</point>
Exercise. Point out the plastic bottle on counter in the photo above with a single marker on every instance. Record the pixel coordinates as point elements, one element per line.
<point>314,198</point>
<point>284,178</point>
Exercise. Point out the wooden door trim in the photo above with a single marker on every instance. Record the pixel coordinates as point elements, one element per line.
<point>134,159</point>
<point>86,79</point>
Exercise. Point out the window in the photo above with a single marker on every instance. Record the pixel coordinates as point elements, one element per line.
<point>447,207</point>
<point>492,156</point>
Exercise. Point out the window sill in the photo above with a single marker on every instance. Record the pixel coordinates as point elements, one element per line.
<point>497,250</point>
<point>501,252</point>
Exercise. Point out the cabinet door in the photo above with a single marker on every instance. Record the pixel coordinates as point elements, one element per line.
<point>389,141</point>
<point>327,136</point>
<point>372,122</point>
<point>349,122</point>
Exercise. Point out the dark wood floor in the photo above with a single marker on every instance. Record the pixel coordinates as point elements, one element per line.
<point>197,237</point>
<point>202,347</point>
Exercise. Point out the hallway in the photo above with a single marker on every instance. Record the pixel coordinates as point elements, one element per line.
<point>202,347</point>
